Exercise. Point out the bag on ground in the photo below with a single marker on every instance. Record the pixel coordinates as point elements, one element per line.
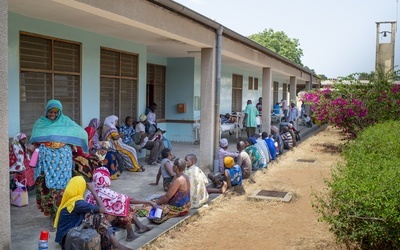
<point>83,237</point>
<point>19,196</point>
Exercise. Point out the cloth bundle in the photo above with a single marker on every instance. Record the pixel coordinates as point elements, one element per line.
<point>19,196</point>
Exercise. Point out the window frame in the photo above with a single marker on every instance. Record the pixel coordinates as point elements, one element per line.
<point>121,98</point>
<point>49,68</point>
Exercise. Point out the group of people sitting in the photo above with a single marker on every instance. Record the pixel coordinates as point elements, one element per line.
<point>72,159</point>
<point>257,151</point>
<point>67,152</point>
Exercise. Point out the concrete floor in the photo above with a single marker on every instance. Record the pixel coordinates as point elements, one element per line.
<point>27,222</point>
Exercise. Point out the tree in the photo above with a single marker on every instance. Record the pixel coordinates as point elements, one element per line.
<point>322,77</point>
<point>280,43</point>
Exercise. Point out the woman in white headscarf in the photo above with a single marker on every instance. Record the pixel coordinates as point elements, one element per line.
<point>128,153</point>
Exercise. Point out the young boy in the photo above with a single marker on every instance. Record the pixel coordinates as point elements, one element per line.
<point>198,182</point>
<point>166,169</point>
<point>232,176</point>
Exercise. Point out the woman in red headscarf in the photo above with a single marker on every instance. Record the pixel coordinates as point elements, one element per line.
<point>85,163</point>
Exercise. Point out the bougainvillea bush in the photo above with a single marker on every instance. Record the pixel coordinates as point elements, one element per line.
<point>352,104</point>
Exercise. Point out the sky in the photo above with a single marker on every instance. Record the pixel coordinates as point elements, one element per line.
<point>337,37</point>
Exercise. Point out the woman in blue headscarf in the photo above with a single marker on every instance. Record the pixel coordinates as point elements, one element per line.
<point>56,136</point>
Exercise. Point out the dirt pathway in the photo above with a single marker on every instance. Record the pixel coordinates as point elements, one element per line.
<point>234,222</point>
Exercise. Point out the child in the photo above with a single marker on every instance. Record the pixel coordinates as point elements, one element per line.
<point>166,169</point>
<point>232,176</point>
<point>198,182</point>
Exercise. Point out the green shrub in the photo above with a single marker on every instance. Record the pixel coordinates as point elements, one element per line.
<point>362,205</point>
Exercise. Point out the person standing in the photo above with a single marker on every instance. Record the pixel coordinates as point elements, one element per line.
<point>151,127</point>
<point>250,114</point>
<point>19,161</point>
<point>259,105</point>
<point>285,109</point>
<point>294,114</point>
<point>56,136</point>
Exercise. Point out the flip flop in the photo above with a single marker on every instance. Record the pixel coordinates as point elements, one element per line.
<point>146,230</point>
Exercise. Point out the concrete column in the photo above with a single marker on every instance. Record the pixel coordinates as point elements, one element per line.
<point>293,87</point>
<point>207,120</point>
<point>267,99</point>
<point>308,88</point>
<point>5,233</point>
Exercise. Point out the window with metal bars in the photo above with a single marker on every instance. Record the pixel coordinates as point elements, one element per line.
<point>50,68</point>
<point>237,89</point>
<point>118,84</point>
<point>156,88</point>
<point>250,87</point>
<point>255,83</point>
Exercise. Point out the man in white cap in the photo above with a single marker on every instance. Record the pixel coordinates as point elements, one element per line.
<point>155,147</point>
<point>223,152</point>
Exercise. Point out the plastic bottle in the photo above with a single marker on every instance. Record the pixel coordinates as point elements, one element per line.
<point>43,240</point>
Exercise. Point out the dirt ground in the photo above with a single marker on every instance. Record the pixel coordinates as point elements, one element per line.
<point>235,222</point>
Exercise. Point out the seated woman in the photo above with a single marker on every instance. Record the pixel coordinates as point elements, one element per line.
<point>85,163</point>
<point>111,161</point>
<point>119,211</point>
<point>176,202</point>
<point>19,161</point>
<point>128,153</point>
<point>165,170</point>
<point>257,161</point>
<point>73,209</point>
<point>127,132</point>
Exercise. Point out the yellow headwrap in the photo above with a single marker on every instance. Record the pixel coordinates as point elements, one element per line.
<point>72,193</point>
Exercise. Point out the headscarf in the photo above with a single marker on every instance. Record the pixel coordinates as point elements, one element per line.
<point>62,129</point>
<point>72,193</point>
<point>18,157</point>
<point>109,126</point>
<point>91,132</point>
<point>251,140</point>
<point>95,123</point>
<point>115,203</point>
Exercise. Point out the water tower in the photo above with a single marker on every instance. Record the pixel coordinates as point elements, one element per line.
<point>385,40</point>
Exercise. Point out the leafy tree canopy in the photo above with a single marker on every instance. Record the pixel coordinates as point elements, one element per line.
<point>280,43</point>
<point>322,77</point>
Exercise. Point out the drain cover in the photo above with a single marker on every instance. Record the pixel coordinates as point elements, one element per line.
<point>276,194</point>
<point>271,195</point>
<point>306,160</point>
